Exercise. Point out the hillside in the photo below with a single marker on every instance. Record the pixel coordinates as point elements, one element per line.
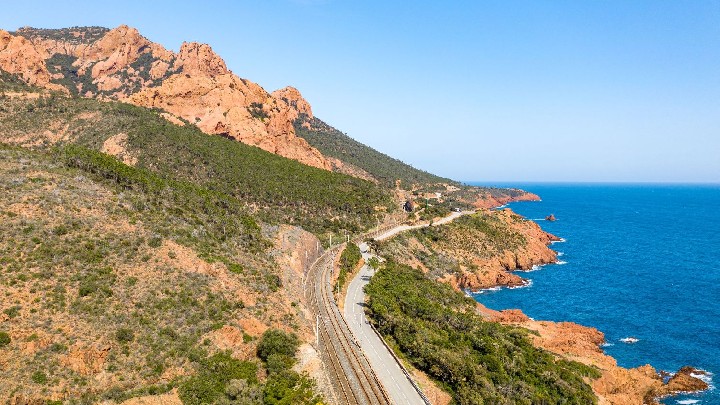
<point>140,255</point>
<point>382,167</point>
<point>475,251</point>
<point>277,189</point>
<point>195,86</point>
<point>117,283</point>
<point>438,331</point>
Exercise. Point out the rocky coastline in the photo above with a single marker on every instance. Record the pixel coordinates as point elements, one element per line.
<point>490,249</point>
<point>617,385</point>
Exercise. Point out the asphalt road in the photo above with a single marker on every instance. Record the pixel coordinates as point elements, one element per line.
<point>398,387</point>
<point>396,383</point>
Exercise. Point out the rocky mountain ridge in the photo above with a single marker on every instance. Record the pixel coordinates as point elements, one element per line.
<point>193,85</point>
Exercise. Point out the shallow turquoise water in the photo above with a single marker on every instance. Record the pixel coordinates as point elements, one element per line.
<point>640,261</point>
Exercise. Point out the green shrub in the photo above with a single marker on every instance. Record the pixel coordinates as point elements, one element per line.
<point>124,335</point>
<point>4,339</point>
<point>97,282</point>
<point>155,241</point>
<point>276,363</point>
<point>13,311</point>
<point>213,377</point>
<point>289,388</point>
<point>58,348</point>
<point>275,341</point>
<point>39,377</point>
<point>349,258</point>
<point>242,393</point>
<point>438,330</point>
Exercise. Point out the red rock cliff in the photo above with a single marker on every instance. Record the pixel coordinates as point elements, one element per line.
<point>194,84</point>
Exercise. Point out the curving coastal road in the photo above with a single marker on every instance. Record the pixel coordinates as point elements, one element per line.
<point>398,384</point>
<point>362,369</point>
<point>353,380</point>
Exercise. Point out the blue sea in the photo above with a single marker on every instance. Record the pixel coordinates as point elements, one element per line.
<point>638,261</point>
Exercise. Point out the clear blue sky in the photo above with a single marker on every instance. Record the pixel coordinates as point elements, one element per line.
<point>474,90</point>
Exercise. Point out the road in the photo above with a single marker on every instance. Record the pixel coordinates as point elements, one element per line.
<point>402,228</point>
<point>353,379</point>
<point>396,382</point>
<point>399,388</point>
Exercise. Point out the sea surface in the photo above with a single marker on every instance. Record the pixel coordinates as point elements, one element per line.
<point>640,261</point>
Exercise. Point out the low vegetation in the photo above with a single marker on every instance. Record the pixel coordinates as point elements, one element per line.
<point>431,212</point>
<point>276,189</point>
<point>386,169</point>
<point>442,249</point>
<point>112,269</point>
<point>437,330</point>
<point>349,259</point>
<point>4,339</point>
<point>277,349</point>
<point>72,35</point>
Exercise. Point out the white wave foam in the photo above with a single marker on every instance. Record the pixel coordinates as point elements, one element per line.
<point>706,377</point>
<point>560,254</point>
<point>535,267</point>
<point>552,242</point>
<point>560,262</point>
<point>607,344</point>
<point>629,340</point>
<point>688,401</point>
<point>528,283</point>
<point>487,290</point>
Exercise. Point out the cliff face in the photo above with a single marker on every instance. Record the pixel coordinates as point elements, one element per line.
<point>227,105</point>
<point>478,251</point>
<point>19,56</point>
<point>487,200</point>
<point>616,385</point>
<point>194,84</point>
<point>488,271</point>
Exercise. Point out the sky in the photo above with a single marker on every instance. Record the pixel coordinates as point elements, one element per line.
<point>517,91</point>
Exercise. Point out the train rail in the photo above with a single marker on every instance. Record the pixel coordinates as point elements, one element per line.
<point>353,379</point>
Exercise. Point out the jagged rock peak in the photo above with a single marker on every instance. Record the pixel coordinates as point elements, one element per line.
<point>19,56</point>
<point>123,38</point>
<point>292,97</point>
<point>124,31</point>
<point>195,57</point>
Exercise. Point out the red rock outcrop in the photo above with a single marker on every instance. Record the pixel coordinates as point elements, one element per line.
<point>484,279</point>
<point>494,269</point>
<point>486,200</point>
<point>194,84</point>
<point>616,385</point>
<point>87,360</point>
<point>233,107</point>
<point>685,380</point>
<point>19,56</point>
<point>291,97</point>
<point>115,51</point>
<point>196,58</point>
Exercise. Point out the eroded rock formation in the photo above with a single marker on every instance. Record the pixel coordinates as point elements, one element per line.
<point>616,385</point>
<point>194,84</point>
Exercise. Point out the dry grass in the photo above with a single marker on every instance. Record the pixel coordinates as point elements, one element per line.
<point>95,300</point>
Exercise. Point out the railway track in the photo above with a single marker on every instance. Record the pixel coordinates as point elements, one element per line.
<point>353,379</point>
